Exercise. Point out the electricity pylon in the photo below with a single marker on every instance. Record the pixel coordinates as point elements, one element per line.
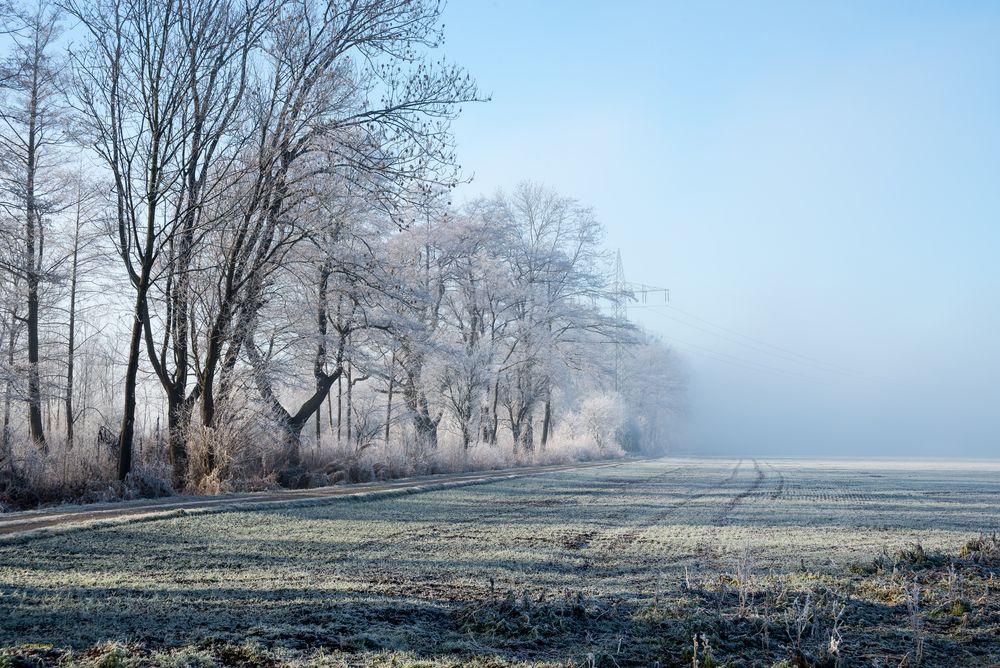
<point>623,292</point>
<point>619,290</point>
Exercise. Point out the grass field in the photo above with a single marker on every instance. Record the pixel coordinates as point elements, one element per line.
<point>672,562</point>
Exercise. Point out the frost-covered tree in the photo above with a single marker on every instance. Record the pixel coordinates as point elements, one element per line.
<point>654,388</point>
<point>31,131</point>
<point>255,249</point>
<point>218,122</point>
<point>558,269</point>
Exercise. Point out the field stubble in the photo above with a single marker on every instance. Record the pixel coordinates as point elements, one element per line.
<point>672,562</point>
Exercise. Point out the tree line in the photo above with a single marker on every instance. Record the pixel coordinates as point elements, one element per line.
<point>226,244</point>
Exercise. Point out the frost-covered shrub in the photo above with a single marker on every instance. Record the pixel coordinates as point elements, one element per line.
<point>80,474</point>
<point>587,433</point>
<point>603,415</point>
<point>452,456</point>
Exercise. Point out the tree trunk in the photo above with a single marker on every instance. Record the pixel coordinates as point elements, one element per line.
<point>426,430</point>
<point>295,423</point>
<point>423,423</point>
<point>292,423</point>
<point>350,408</point>
<point>126,436</point>
<point>9,393</point>
<point>388,405</point>
<point>466,436</point>
<point>178,421</point>
<point>32,268</point>
<point>319,364</point>
<point>546,421</point>
<point>71,334</point>
<point>213,356</point>
<point>319,427</point>
<point>492,416</point>
<point>515,430</point>
<point>528,435</point>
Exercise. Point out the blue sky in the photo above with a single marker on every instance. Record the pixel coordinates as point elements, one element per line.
<point>821,177</point>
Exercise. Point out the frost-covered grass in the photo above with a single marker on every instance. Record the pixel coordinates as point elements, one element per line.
<point>611,566</point>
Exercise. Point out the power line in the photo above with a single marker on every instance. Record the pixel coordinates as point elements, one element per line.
<point>626,292</point>
<point>741,362</point>
<point>747,337</point>
<point>763,347</point>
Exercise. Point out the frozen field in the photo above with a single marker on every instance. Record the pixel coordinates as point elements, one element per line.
<point>609,566</point>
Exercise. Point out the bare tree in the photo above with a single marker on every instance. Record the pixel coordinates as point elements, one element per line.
<point>130,88</point>
<point>80,252</point>
<point>218,40</point>
<point>32,131</point>
<point>558,271</point>
<point>270,188</point>
<point>348,96</point>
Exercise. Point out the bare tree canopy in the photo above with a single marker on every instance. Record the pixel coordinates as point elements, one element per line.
<point>229,259</point>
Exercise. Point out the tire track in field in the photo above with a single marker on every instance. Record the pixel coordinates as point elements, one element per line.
<point>722,518</point>
<point>512,511</point>
<point>445,528</point>
<point>626,484</point>
<point>779,488</point>
<point>632,536</point>
<point>583,539</point>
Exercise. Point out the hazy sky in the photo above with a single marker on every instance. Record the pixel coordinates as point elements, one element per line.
<point>821,177</point>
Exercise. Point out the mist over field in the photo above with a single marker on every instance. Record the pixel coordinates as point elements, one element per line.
<point>818,177</point>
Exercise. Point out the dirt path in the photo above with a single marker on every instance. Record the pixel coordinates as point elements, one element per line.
<point>33,520</point>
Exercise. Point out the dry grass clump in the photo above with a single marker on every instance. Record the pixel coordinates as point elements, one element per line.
<point>983,548</point>
<point>126,655</point>
<point>247,655</point>
<point>524,618</point>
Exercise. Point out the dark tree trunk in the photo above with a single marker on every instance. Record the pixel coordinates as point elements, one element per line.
<point>295,423</point>
<point>340,408</point>
<point>178,421</point>
<point>350,408</point>
<point>546,422</point>
<point>32,267</point>
<point>319,427</point>
<point>9,393</point>
<point>388,405</point>
<point>515,430</point>
<point>127,433</point>
<point>425,425</point>
<point>528,435</point>
<point>71,334</point>
<point>292,423</point>
<point>426,430</point>
<point>319,364</point>
<point>492,422</point>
